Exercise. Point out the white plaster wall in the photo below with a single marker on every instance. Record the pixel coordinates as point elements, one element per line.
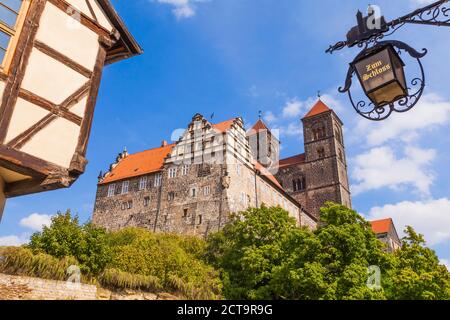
<point>80,107</point>
<point>25,115</point>
<point>68,36</point>
<point>50,79</point>
<point>56,143</point>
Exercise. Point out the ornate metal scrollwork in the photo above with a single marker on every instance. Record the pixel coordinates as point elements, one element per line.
<point>368,109</point>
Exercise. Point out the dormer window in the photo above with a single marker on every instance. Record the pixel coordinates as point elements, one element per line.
<point>12,17</point>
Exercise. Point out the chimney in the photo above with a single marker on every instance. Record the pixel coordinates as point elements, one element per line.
<point>164,143</point>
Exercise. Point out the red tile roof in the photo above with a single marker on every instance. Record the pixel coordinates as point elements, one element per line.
<point>318,108</point>
<point>139,164</point>
<point>224,126</point>
<point>267,173</point>
<point>300,158</point>
<point>149,161</point>
<point>382,226</point>
<point>260,125</point>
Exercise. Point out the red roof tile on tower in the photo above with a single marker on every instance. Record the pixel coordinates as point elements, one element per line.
<point>382,226</point>
<point>138,164</point>
<point>300,158</point>
<point>318,108</point>
<point>260,125</point>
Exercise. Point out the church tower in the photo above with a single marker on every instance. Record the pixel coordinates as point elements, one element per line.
<point>264,145</point>
<point>326,174</point>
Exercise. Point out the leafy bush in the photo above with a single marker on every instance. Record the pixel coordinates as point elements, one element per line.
<point>172,259</point>
<point>22,261</point>
<point>65,237</point>
<point>116,279</point>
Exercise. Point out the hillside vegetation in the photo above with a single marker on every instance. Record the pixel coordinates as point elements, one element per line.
<point>260,254</point>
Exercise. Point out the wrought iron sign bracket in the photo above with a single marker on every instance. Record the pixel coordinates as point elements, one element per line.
<point>436,14</point>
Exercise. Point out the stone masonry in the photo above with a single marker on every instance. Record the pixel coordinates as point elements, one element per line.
<point>192,186</point>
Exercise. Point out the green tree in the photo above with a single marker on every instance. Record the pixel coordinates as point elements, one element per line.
<point>262,254</point>
<point>65,237</point>
<point>248,249</point>
<point>418,274</point>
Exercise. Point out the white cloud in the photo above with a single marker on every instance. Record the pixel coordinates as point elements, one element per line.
<point>292,108</point>
<point>380,167</point>
<point>430,218</point>
<point>270,117</point>
<point>12,241</point>
<point>446,263</point>
<point>36,221</point>
<point>430,112</point>
<point>182,8</point>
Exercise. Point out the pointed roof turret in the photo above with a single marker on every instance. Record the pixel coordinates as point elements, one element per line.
<point>318,108</point>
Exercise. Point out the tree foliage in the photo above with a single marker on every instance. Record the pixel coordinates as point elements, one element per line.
<point>65,237</point>
<point>263,255</point>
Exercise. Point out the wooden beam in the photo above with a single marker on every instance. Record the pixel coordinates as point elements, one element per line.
<point>26,164</point>
<point>62,58</point>
<point>47,105</point>
<point>92,99</point>
<point>57,180</point>
<point>84,19</point>
<point>19,65</point>
<point>19,141</point>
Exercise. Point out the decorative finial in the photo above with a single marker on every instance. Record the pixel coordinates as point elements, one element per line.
<point>319,95</point>
<point>260,114</point>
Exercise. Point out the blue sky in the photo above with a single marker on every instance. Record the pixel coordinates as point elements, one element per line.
<point>236,57</point>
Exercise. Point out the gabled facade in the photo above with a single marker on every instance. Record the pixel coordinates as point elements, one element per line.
<point>52,57</point>
<point>192,186</point>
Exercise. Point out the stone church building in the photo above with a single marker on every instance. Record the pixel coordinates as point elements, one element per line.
<point>192,185</point>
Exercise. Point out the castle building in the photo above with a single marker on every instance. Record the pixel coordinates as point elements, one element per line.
<point>192,186</point>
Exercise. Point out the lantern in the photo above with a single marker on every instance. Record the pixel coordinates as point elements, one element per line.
<point>381,75</point>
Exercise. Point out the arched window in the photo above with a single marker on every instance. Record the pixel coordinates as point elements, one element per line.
<point>319,131</point>
<point>299,184</point>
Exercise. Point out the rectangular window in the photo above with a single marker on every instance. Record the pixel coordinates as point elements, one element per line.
<point>146,201</point>
<point>200,219</point>
<point>171,196</point>
<point>111,190</point>
<point>206,190</point>
<point>12,17</point>
<point>193,192</point>
<point>185,213</point>
<point>185,169</point>
<point>125,186</point>
<point>143,183</point>
<point>129,204</point>
<point>172,173</point>
<point>158,180</point>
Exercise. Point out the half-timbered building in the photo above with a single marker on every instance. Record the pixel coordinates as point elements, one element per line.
<point>52,54</point>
